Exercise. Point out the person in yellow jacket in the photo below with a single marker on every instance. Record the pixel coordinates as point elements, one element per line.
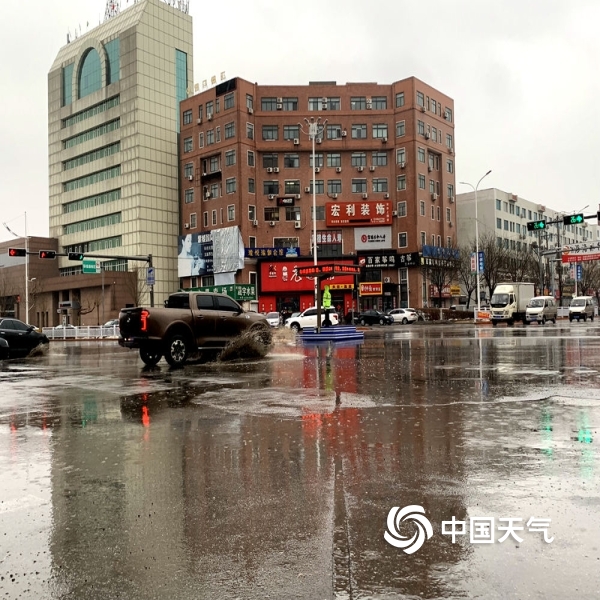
<point>327,306</point>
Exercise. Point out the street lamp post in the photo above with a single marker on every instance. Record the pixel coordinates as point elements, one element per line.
<point>315,130</point>
<point>26,266</point>
<point>475,188</point>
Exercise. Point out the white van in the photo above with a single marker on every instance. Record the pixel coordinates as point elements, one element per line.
<point>541,309</point>
<point>581,307</point>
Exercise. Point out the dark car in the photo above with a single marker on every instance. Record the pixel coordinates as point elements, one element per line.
<point>373,317</point>
<point>4,352</point>
<point>21,338</point>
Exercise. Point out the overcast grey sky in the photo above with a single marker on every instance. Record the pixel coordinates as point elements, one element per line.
<point>523,75</point>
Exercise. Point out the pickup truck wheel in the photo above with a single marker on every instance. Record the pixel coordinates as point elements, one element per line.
<point>150,357</point>
<point>176,352</point>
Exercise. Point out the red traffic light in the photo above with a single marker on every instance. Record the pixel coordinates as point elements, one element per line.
<point>17,252</point>
<point>47,254</point>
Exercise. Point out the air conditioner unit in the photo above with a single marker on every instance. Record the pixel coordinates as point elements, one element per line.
<point>386,196</point>
<point>255,222</point>
<point>394,213</point>
<point>383,140</point>
<point>450,224</point>
<point>402,165</point>
<point>387,280</point>
<point>271,196</point>
<point>275,169</point>
<point>298,225</point>
<point>427,135</point>
<point>187,225</point>
<point>430,169</point>
<point>451,198</point>
<point>318,140</point>
<point>279,106</point>
<point>369,104</point>
<point>422,109</point>
<point>360,169</point>
<point>434,196</point>
<point>297,196</point>
<point>269,169</point>
<point>317,169</point>
<point>307,189</point>
<point>296,141</point>
<point>199,121</point>
<point>207,195</point>
<point>190,178</point>
<point>209,116</point>
<point>365,196</point>
<point>334,196</point>
<point>451,150</point>
<point>250,110</point>
<point>338,169</point>
<point>371,168</point>
<point>279,100</point>
<point>344,133</point>
<point>204,174</point>
<point>272,223</point>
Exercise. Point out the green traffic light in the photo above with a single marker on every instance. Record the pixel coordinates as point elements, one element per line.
<point>573,219</point>
<point>535,225</point>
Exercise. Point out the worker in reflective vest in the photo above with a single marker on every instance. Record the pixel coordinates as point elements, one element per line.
<point>327,306</point>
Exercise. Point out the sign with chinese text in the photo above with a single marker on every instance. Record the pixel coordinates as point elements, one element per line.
<point>433,291</point>
<point>329,237</point>
<point>353,213</point>
<point>283,276</point>
<point>583,253</point>
<point>372,238</point>
<point>331,270</point>
<point>237,291</point>
<point>286,201</point>
<point>341,286</point>
<point>408,259</point>
<point>370,288</point>
<point>383,260</point>
<point>271,252</point>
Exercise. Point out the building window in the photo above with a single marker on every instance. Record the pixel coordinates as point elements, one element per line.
<point>291,132</point>
<point>400,128</point>
<point>193,221</point>
<point>448,215</point>
<point>423,239</point>
<point>189,196</point>
<point>210,137</point>
<point>334,186</point>
<point>359,159</point>
<point>292,213</point>
<point>250,131</point>
<point>230,185</point>
<point>379,102</point>
<point>250,101</point>
<point>422,208</point>
<point>334,159</point>
<point>420,127</point>
<point>421,181</point>
<point>268,104</point>
<point>187,117</point>
<point>399,99</point>
<point>210,108</point>
<point>214,217</point>
<point>318,160</point>
<point>270,187</point>
<point>218,107</point>
<point>270,160</point>
<point>188,170</point>
<point>271,213</point>
<point>379,159</point>
<point>402,240</point>
<point>292,186</point>
<point>229,101</point>
<point>218,134</point>
<point>230,158</point>
<point>432,186</point>
<point>270,132</point>
<point>380,184</point>
<point>334,132</point>
<point>439,213</point>
<point>231,212</point>
<point>251,188</point>
<point>401,183</point>
<point>251,162</point>
<point>400,156</point>
<point>505,225</point>
<point>334,104</point>
<point>448,242</point>
<point>205,219</point>
<point>314,104</point>
<point>358,103</point>
<point>449,141</point>
<point>450,166</point>
<point>433,106</point>
<point>448,114</point>
<point>291,161</point>
<point>421,155</point>
<point>201,140</point>
<point>432,212</point>
<point>229,130</point>
<point>188,144</point>
<point>359,186</point>
<point>290,104</point>
<point>359,132</point>
<point>420,99</point>
<point>319,186</point>
<point>402,208</point>
<point>450,190</point>
<point>380,131</point>
<point>433,134</point>
<point>319,214</point>
<point>251,212</point>
<point>200,110</point>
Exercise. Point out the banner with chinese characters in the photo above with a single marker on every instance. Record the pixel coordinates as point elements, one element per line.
<point>370,288</point>
<point>328,237</point>
<point>374,212</point>
<point>378,261</point>
<point>237,291</point>
<point>282,276</point>
<point>408,259</point>
<point>372,238</point>
<point>271,252</point>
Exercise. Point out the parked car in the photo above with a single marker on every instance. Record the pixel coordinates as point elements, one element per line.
<point>4,351</point>
<point>292,316</point>
<point>403,315</point>
<point>21,338</point>
<point>308,318</point>
<point>63,327</point>
<point>112,323</point>
<point>273,319</point>
<point>373,317</point>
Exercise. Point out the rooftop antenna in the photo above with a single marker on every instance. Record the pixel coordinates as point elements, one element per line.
<point>113,8</point>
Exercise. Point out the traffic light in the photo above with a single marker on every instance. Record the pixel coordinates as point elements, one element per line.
<point>536,225</point>
<point>47,254</point>
<point>573,219</point>
<point>17,252</point>
<point>75,256</point>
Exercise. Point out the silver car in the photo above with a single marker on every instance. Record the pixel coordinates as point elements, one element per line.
<point>403,315</point>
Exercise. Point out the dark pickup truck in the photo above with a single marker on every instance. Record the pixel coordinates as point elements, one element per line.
<point>191,323</point>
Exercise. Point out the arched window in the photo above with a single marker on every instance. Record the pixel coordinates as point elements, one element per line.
<point>90,75</point>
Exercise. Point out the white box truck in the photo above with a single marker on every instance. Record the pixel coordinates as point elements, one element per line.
<point>509,302</point>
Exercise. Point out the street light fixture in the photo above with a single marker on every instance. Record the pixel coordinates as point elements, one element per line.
<point>314,130</point>
<point>26,266</point>
<point>475,188</point>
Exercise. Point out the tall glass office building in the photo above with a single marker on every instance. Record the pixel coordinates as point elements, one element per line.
<point>113,126</point>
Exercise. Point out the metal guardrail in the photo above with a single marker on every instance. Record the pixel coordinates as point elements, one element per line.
<point>81,333</point>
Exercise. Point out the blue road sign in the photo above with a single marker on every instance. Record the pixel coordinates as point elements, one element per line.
<point>481,261</point>
<point>150,276</point>
<point>579,271</point>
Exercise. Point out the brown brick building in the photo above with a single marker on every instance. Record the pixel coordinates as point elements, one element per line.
<point>384,174</point>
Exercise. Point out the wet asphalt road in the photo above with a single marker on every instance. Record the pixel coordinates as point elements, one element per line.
<point>274,478</point>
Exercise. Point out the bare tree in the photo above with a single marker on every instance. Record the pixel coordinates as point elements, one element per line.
<point>440,265</point>
<point>590,278</point>
<point>135,285</point>
<point>520,265</point>
<point>493,261</point>
<point>465,276</point>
